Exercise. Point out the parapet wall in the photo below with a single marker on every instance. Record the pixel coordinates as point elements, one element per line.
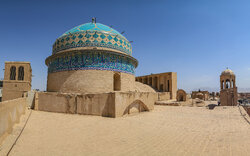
<point>247,108</point>
<point>163,96</point>
<point>126,101</point>
<point>114,104</point>
<point>10,113</point>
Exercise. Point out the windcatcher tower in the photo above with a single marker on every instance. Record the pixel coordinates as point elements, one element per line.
<point>17,80</point>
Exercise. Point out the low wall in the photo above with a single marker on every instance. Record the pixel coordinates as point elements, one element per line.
<point>125,102</point>
<point>114,104</point>
<point>102,104</point>
<point>10,113</point>
<point>162,96</point>
<point>55,102</point>
<point>247,108</point>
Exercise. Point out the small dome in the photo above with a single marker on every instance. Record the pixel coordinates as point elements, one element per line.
<point>92,35</point>
<point>227,72</point>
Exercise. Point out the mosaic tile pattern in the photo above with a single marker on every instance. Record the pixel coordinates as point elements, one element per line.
<point>92,35</point>
<point>93,27</point>
<point>92,61</point>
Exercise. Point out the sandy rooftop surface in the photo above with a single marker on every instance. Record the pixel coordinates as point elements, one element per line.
<point>167,130</point>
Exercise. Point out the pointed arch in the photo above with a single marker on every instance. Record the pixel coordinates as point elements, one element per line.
<point>117,82</point>
<point>137,104</point>
<point>21,73</point>
<point>12,73</point>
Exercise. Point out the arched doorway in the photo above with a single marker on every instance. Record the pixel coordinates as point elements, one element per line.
<point>181,98</point>
<point>117,82</point>
<point>181,95</point>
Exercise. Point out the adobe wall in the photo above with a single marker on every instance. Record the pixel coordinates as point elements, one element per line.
<point>228,97</point>
<point>174,85</point>
<point>102,104</point>
<point>88,104</point>
<point>140,101</point>
<point>162,96</point>
<point>247,108</point>
<point>13,89</point>
<point>55,102</point>
<point>162,82</point>
<point>10,113</point>
<point>88,81</point>
<point>195,94</point>
<point>114,104</point>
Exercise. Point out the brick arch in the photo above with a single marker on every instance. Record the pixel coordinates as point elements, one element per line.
<point>138,104</point>
<point>181,95</point>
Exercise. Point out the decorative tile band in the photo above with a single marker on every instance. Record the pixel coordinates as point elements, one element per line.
<point>88,60</point>
<point>92,39</point>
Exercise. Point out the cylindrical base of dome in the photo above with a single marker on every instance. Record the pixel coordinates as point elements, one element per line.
<point>90,81</point>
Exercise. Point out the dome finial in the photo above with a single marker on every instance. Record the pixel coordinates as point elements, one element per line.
<point>93,20</point>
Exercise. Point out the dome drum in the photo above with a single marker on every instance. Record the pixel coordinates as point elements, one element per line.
<point>91,60</point>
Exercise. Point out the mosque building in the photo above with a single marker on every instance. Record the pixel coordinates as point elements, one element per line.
<point>91,71</point>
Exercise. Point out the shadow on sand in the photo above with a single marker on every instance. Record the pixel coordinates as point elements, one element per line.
<point>211,106</point>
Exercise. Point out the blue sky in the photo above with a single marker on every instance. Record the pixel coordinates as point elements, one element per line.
<point>195,38</point>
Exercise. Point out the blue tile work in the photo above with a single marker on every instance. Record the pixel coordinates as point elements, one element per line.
<point>92,35</point>
<point>93,27</point>
<point>92,61</point>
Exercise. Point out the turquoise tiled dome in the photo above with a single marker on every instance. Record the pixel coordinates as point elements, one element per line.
<point>94,27</point>
<point>92,35</point>
<point>92,46</point>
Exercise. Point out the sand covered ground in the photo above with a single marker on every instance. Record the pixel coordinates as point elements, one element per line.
<point>167,130</point>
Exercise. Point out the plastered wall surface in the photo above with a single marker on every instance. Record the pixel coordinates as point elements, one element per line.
<point>13,89</point>
<point>10,113</point>
<point>114,104</point>
<point>88,81</point>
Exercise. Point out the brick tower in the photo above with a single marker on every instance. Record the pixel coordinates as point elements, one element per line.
<point>17,80</point>
<point>228,92</point>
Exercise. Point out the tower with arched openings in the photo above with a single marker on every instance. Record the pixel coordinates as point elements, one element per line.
<point>17,80</point>
<point>228,89</point>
